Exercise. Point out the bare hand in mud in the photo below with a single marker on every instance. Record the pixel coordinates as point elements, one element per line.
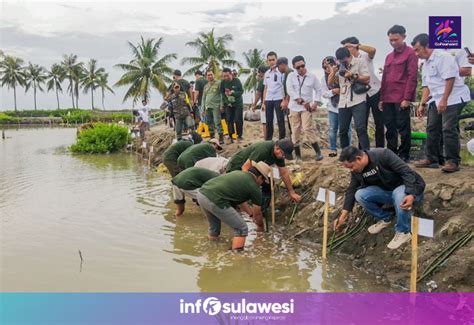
<point>295,197</point>
<point>339,222</point>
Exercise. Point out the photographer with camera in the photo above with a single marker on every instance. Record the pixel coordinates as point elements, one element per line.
<point>354,78</point>
<point>367,53</point>
<point>180,109</point>
<point>304,90</point>
<point>331,92</point>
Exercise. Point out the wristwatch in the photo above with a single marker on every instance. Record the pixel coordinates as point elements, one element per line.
<point>423,104</point>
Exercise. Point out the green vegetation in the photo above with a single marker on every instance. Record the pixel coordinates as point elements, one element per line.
<point>4,118</point>
<point>70,115</point>
<point>102,138</point>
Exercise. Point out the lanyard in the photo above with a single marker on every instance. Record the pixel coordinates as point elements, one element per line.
<point>300,83</point>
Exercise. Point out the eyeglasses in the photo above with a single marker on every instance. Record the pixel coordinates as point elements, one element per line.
<point>300,67</point>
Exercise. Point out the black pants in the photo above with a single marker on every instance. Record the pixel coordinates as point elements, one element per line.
<point>359,113</point>
<point>373,105</point>
<point>398,122</point>
<point>234,115</point>
<point>270,107</point>
<point>443,126</point>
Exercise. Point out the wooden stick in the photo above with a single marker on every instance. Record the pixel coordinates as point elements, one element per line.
<point>414,253</point>
<point>150,154</point>
<point>272,185</point>
<point>325,224</point>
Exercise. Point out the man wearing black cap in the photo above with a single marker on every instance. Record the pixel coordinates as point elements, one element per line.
<point>270,152</point>
<point>183,83</point>
<point>199,89</point>
<point>232,91</point>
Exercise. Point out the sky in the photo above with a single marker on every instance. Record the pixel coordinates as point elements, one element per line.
<point>42,31</point>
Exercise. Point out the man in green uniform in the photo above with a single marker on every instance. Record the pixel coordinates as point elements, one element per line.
<point>282,65</point>
<point>180,110</point>
<point>188,182</point>
<point>232,90</point>
<point>219,196</point>
<point>183,83</point>
<point>212,103</point>
<point>201,81</point>
<point>170,156</point>
<point>197,152</point>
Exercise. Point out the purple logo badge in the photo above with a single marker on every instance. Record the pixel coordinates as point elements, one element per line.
<point>445,32</point>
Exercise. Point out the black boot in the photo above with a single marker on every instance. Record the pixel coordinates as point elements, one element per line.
<point>221,139</point>
<point>319,155</point>
<point>298,153</point>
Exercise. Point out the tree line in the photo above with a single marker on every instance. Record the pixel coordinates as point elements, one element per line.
<point>146,70</point>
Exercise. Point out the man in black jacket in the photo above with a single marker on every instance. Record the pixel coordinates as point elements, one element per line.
<point>380,177</point>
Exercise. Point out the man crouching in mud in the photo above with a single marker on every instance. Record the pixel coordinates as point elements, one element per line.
<point>380,177</point>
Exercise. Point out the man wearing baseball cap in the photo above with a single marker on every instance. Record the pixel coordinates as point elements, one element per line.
<point>219,196</point>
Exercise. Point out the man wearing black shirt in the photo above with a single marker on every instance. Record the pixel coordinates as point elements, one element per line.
<point>380,177</point>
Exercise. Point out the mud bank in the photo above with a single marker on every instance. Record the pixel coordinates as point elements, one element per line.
<point>449,201</point>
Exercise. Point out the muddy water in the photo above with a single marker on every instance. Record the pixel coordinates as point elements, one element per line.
<point>117,213</point>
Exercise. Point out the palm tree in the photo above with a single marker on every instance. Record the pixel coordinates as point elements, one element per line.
<point>103,84</point>
<point>90,78</point>
<point>72,70</point>
<point>213,53</point>
<point>254,59</point>
<point>35,77</point>
<point>145,70</point>
<point>55,78</point>
<point>12,74</point>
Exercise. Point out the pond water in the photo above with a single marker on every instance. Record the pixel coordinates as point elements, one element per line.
<point>117,213</point>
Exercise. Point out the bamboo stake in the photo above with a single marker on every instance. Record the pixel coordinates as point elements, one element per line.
<point>325,224</point>
<point>273,197</point>
<point>414,253</point>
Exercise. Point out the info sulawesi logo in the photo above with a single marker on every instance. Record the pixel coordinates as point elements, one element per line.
<point>445,32</point>
<point>213,306</point>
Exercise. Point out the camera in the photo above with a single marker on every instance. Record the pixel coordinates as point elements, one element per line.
<point>342,69</point>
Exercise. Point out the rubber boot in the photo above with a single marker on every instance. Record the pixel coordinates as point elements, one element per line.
<point>298,153</point>
<point>238,243</point>
<point>319,155</point>
<point>179,209</point>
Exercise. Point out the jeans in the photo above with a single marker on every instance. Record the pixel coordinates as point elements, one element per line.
<point>444,127</point>
<point>215,215</point>
<point>359,113</point>
<point>270,107</point>
<point>183,121</point>
<point>333,129</point>
<point>398,121</point>
<point>372,198</point>
<point>213,121</point>
<point>235,115</point>
<point>373,105</point>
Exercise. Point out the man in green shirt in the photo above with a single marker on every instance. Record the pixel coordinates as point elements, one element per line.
<point>282,65</point>
<point>170,156</point>
<point>180,110</point>
<point>197,152</point>
<point>270,152</point>
<point>232,91</point>
<point>212,103</point>
<point>199,89</point>
<point>188,182</point>
<point>219,196</point>
<point>183,83</point>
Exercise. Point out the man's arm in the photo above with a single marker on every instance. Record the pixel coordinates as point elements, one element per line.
<point>285,175</point>
<point>368,49</point>
<point>408,176</point>
<point>292,93</point>
<point>412,80</point>
<point>239,89</point>
<point>425,93</point>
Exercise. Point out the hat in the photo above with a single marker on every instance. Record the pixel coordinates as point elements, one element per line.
<point>282,60</point>
<point>287,146</point>
<point>263,168</point>
<point>216,142</point>
<point>177,72</point>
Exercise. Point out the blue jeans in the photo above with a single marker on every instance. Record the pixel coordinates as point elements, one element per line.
<point>333,129</point>
<point>372,198</point>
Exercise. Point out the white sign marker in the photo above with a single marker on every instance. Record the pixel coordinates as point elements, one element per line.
<point>426,227</point>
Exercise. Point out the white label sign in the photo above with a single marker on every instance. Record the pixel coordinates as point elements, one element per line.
<point>276,173</point>
<point>322,196</point>
<point>426,227</point>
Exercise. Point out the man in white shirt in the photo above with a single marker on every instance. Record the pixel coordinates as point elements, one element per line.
<point>367,53</point>
<point>304,90</point>
<point>445,94</point>
<point>272,97</point>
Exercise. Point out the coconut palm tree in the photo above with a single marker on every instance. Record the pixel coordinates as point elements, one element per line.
<point>254,59</point>
<point>212,51</point>
<point>12,74</point>
<point>73,71</point>
<point>89,80</point>
<point>55,77</point>
<point>35,78</point>
<point>103,84</point>
<point>145,70</point>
